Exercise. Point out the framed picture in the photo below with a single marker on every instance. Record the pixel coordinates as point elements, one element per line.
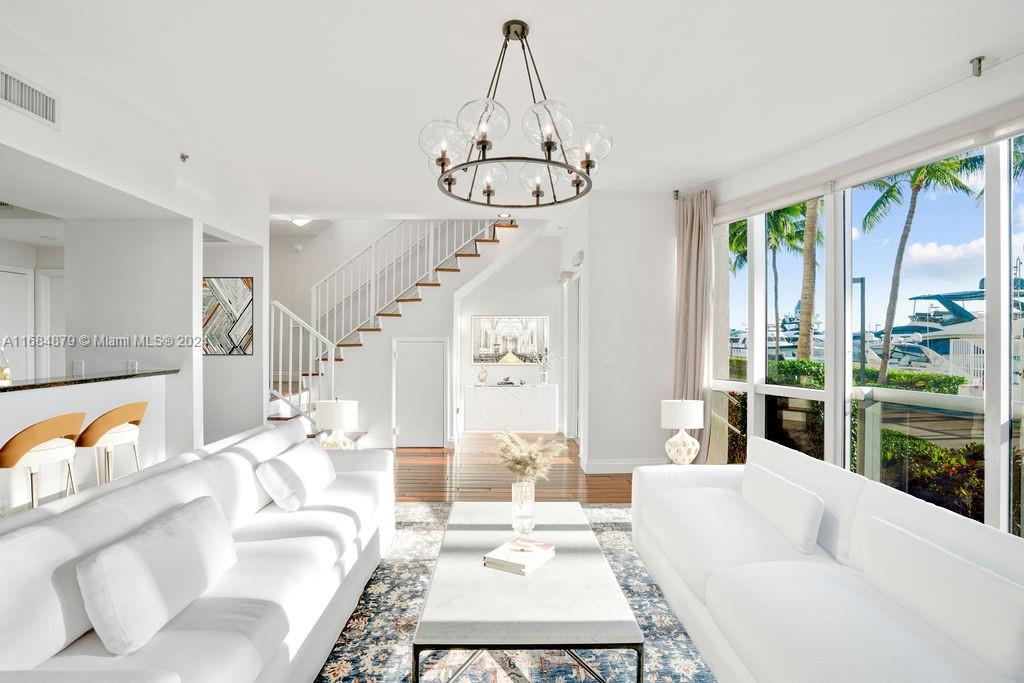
<point>227,316</point>
<point>509,339</point>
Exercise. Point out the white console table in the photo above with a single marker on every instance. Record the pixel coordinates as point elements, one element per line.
<point>528,408</point>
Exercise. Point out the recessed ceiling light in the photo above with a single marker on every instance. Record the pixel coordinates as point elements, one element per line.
<point>504,215</point>
<point>301,222</point>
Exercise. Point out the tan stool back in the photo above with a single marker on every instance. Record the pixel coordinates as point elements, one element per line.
<point>128,413</point>
<point>60,427</point>
<point>102,436</point>
<point>49,441</point>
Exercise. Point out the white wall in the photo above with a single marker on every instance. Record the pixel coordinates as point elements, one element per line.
<point>233,393</point>
<point>628,327</point>
<point>293,273</point>
<point>526,285</point>
<point>104,138</point>
<point>141,278</point>
<point>17,254</point>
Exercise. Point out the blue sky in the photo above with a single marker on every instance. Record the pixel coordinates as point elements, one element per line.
<point>945,254</point>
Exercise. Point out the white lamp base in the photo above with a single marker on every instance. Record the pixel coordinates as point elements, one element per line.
<point>336,441</point>
<point>682,448</point>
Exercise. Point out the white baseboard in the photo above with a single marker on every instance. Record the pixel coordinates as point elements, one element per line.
<point>591,466</point>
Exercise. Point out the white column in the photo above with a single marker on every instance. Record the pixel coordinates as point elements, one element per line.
<point>838,352</point>
<point>756,305</point>
<point>997,334</point>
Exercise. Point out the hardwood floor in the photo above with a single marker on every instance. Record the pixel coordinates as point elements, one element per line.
<point>472,472</point>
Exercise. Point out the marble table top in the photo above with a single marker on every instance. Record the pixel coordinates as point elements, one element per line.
<point>573,600</point>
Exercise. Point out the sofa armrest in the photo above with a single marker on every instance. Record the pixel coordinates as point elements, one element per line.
<point>365,460</point>
<point>653,480</point>
<point>90,676</point>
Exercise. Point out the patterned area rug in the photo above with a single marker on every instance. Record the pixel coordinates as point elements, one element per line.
<point>376,644</point>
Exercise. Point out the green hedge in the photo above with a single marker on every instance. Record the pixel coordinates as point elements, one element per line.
<point>811,374</point>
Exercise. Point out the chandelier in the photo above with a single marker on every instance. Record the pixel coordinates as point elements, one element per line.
<point>569,152</point>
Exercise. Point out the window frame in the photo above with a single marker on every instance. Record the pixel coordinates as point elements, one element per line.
<point>838,393</point>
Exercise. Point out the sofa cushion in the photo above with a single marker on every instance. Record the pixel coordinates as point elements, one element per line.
<point>346,512</point>
<point>979,543</point>
<point>40,560</point>
<point>793,510</point>
<point>270,443</point>
<point>296,475</point>
<point>979,610</point>
<point>703,530</point>
<point>133,587</point>
<point>838,488</point>
<point>821,621</point>
<point>213,640</point>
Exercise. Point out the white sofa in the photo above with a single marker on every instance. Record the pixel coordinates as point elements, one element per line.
<point>942,604</point>
<point>274,616</point>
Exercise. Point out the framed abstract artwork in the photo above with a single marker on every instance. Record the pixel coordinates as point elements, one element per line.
<point>227,316</point>
<point>509,339</point>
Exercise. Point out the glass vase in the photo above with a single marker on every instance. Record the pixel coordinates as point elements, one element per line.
<point>522,505</point>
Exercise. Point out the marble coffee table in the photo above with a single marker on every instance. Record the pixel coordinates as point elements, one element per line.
<point>571,603</point>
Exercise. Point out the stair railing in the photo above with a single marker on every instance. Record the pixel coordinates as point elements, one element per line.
<point>297,348</point>
<point>376,277</point>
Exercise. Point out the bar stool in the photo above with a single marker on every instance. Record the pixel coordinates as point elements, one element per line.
<point>116,427</point>
<point>44,443</point>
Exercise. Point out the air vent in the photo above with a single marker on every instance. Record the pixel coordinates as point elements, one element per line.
<point>27,98</point>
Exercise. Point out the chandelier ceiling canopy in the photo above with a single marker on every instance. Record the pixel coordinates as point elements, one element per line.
<point>562,172</point>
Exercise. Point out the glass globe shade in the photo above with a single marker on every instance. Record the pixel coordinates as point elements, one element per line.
<point>575,157</point>
<point>495,175</point>
<point>548,118</point>
<point>481,117</point>
<point>442,135</point>
<point>594,138</point>
<point>530,175</point>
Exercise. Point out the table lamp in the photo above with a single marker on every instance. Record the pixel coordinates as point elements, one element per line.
<point>336,417</point>
<point>682,415</point>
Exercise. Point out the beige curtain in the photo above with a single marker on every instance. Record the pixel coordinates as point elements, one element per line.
<point>693,307</point>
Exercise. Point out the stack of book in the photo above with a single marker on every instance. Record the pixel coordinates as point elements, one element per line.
<point>520,556</point>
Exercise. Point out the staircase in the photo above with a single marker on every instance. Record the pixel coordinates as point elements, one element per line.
<point>358,298</point>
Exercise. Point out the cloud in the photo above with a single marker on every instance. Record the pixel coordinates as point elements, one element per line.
<point>932,255</point>
<point>857,232</point>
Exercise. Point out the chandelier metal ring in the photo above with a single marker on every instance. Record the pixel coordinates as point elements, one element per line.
<point>586,183</point>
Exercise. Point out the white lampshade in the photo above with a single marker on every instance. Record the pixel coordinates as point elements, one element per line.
<point>682,414</point>
<point>337,414</point>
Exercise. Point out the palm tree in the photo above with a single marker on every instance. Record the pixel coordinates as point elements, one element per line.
<point>784,231</point>
<point>812,237</point>
<point>946,175</point>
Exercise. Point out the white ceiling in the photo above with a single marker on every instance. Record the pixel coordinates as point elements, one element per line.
<point>324,100</point>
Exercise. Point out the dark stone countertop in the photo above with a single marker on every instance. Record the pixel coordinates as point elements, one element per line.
<point>65,381</point>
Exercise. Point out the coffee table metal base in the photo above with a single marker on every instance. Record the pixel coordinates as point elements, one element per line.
<point>476,650</point>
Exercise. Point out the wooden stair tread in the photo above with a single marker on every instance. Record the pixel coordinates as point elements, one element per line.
<point>349,344</point>
<point>407,301</point>
<point>488,240</point>
<point>448,270</point>
<point>457,255</point>
<point>312,374</point>
<point>390,315</point>
<point>367,329</point>
<point>505,225</point>
<point>281,418</point>
<point>428,284</point>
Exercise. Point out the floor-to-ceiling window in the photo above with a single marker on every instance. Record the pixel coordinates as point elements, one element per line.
<point>918,365</point>
<point>728,438</point>
<point>896,267</point>
<point>794,333</point>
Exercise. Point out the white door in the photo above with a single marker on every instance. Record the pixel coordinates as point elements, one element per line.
<point>572,359</point>
<point>16,319</point>
<point>419,393</point>
<point>50,360</point>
